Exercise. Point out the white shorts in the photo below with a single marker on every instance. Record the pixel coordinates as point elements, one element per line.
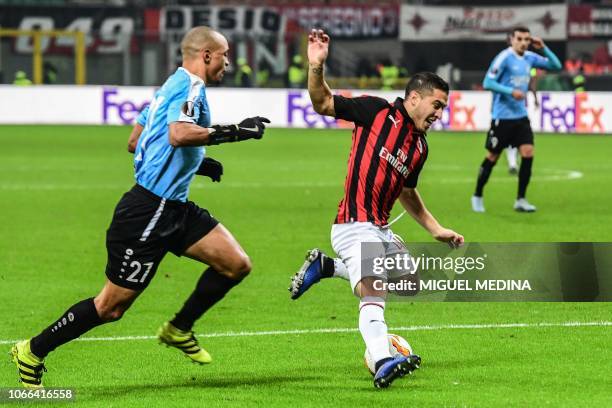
<point>346,241</point>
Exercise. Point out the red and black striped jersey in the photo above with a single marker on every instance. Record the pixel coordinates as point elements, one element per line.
<point>387,154</point>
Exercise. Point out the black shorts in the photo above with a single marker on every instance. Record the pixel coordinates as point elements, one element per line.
<point>508,132</point>
<point>144,228</point>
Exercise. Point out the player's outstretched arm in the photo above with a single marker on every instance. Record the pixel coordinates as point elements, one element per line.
<point>190,134</point>
<point>412,202</point>
<point>551,62</point>
<point>320,93</point>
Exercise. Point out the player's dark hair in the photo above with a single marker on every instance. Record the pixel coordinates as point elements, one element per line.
<point>426,82</point>
<point>519,29</point>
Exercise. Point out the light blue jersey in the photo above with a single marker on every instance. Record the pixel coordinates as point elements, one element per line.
<point>510,71</point>
<point>160,167</point>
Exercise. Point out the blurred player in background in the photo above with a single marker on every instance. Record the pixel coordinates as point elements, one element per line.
<point>155,216</point>
<point>512,151</point>
<point>508,78</point>
<point>388,152</point>
<point>512,157</point>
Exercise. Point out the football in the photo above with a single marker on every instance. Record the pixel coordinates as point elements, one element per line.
<point>397,346</point>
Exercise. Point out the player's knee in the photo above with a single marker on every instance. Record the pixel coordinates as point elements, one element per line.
<point>114,315</point>
<point>369,287</point>
<point>527,151</point>
<point>109,312</point>
<point>239,268</point>
<point>492,157</point>
<point>243,267</point>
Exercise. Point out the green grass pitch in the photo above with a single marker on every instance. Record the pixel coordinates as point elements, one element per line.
<point>59,186</point>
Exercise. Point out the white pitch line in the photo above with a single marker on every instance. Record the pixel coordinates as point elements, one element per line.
<point>351,330</point>
<point>570,175</point>
<point>548,175</point>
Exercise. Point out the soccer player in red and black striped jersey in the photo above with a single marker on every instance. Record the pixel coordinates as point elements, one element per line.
<point>388,152</point>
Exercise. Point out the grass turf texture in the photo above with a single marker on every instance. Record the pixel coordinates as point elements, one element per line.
<point>59,186</point>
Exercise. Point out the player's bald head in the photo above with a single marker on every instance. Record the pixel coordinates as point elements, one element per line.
<point>201,38</point>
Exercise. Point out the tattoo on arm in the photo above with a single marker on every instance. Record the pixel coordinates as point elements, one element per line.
<point>317,70</point>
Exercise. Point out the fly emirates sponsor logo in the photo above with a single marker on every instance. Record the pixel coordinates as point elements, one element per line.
<point>396,161</point>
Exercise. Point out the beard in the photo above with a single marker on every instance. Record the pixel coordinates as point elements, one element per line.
<point>217,80</point>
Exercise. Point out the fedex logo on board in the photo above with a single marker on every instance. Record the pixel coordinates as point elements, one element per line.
<point>300,111</point>
<point>577,114</point>
<point>119,108</point>
<point>459,114</point>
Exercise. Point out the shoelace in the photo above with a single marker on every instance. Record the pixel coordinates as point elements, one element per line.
<point>38,370</point>
<point>190,342</point>
<point>396,219</point>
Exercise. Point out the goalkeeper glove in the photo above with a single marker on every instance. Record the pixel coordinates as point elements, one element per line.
<point>250,128</point>
<point>210,168</point>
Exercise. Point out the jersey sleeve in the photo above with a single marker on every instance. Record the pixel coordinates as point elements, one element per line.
<point>179,109</point>
<point>497,67</point>
<point>143,116</point>
<point>413,177</point>
<point>549,61</point>
<point>361,110</point>
<point>493,75</point>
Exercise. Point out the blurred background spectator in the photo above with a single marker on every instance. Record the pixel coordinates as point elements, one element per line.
<point>244,74</point>
<point>389,74</point>
<point>49,73</point>
<point>21,79</point>
<point>296,73</point>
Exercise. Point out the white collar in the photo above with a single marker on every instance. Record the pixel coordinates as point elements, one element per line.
<point>194,78</point>
<point>516,53</point>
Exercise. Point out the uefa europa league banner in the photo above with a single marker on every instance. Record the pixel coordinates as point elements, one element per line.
<point>430,23</point>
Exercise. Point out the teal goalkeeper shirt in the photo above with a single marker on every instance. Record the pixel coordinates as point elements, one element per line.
<point>510,71</point>
<point>159,167</point>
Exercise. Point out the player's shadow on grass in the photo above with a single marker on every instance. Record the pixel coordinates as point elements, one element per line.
<point>252,381</point>
<point>199,383</point>
<point>456,364</point>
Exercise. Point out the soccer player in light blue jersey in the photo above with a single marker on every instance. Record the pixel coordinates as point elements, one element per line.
<point>508,78</point>
<point>155,216</point>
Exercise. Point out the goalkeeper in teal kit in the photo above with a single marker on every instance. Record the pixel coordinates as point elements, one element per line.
<point>508,78</point>
<point>155,217</point>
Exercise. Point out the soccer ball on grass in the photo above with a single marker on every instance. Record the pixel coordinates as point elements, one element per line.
<point>397,346</point>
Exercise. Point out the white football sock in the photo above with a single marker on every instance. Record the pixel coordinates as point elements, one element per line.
<point>374,329</point>
<point>340,270</point>
<point>511,155</point>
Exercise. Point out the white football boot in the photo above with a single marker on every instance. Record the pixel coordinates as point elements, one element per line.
<point>522,205</point>
<point>478,204</point>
